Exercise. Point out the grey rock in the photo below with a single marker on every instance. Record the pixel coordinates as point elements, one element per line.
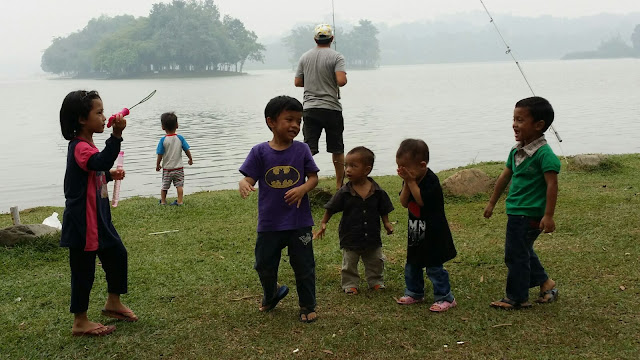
<point>20,233</point>
<point>589,160</point>
<point>468,182</point>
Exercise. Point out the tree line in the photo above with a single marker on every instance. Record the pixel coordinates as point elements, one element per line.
<point>359,46</point>
<point>614,47</point>
<point>181,36</point>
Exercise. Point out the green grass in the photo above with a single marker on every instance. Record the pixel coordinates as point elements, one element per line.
<point>197,294</point>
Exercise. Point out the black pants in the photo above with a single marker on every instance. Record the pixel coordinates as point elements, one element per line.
<point>83,268</point>
<point>268,251</point>
<point>525,269</point>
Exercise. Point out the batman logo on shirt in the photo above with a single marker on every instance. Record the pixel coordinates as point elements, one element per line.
<point>282,177</point>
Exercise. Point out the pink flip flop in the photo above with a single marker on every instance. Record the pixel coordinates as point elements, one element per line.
<point>442,306</point>
<point>408,300</point>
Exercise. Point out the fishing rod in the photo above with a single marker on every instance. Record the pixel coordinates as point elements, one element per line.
<point>518,64</point>
<point>335,46</point>
<point>333,16</point>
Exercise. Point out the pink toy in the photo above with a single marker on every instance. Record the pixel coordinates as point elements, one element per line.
<point>116,184</point>
<point>125,111</point>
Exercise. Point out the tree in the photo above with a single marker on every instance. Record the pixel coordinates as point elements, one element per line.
<point>299,41</point>
<point>359,46</point>
<point>635,38</point>
<point>615,48</point>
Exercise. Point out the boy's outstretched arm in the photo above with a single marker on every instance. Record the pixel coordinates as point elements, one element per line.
<point>547,224</point>
<point>188,152</point>
<point>387,224</point>
<point>245,186</point>
<point>295,195</point>
<point>501,185</point>
<point>323,225</point>
<point>158,161</point>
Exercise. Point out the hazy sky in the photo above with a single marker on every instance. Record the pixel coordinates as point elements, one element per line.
<point>27,26</point>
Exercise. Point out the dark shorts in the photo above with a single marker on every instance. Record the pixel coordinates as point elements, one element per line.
<point>314,120</point>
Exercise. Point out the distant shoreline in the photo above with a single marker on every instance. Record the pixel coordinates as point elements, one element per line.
<point>153,75</point>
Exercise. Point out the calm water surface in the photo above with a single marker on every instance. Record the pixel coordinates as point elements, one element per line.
<point>463,111</point>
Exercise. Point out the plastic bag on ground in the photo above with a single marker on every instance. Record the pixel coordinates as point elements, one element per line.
<point>53,221</point>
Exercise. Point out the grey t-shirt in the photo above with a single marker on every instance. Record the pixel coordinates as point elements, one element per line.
<point>317,67</point>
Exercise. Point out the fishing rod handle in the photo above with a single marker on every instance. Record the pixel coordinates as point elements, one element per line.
<point>123,112</point>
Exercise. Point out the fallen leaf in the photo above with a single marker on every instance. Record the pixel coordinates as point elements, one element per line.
<point>623,288</point>
<point>328,352</point>
<point>481,278</point>
<point>627,254</point>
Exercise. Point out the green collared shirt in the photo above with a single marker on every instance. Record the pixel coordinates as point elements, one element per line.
<point>528,190</point>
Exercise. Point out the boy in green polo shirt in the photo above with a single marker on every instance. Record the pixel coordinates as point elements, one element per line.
<point>533,169</point>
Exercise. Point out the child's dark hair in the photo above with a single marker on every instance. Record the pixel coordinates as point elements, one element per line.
<point>539,108</point>
<point>279,104</point>
<point>415,148</point>
<point>368,157</point>
<point>169,121</point>
<point>75,106</point>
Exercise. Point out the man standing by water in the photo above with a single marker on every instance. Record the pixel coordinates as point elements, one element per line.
<point>321,71</point>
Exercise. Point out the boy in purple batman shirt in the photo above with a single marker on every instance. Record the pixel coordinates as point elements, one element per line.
<point>280,167</point>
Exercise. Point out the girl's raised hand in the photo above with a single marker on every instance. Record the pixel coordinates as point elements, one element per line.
<point>119,124</point>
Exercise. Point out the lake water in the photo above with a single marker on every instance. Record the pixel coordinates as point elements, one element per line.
<point>463,111</point>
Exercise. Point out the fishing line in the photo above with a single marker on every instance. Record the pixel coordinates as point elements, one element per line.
<point>333,15</point>
<point>521,71</point>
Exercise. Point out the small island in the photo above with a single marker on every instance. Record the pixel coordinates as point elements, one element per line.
<point>177,39</point>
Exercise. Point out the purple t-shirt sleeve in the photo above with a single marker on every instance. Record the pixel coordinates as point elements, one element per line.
<point>251,166</point>
<point>309,164</point>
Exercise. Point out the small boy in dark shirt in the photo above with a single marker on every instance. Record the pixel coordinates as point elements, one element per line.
<point>430,243</point>
<point>363,203</point>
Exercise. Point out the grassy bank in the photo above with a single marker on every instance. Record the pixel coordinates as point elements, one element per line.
<point>197,294</point>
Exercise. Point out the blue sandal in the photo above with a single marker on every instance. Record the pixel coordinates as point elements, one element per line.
<point>548,296</point>
<point>280,294</point>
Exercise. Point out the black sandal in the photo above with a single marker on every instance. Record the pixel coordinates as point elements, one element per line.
<point>508,304</point>
<point>305,312</point>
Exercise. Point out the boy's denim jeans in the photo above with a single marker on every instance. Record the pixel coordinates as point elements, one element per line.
<point>269,245</point>
<point>414,279</point>
<point>525,270</point>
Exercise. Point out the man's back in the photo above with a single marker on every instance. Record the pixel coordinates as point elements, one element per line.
<point>318,68</point>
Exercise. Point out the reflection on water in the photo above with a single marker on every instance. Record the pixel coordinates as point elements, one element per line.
<point>463,111</point>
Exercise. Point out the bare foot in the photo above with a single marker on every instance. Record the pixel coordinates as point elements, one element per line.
<point>547,285</point>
